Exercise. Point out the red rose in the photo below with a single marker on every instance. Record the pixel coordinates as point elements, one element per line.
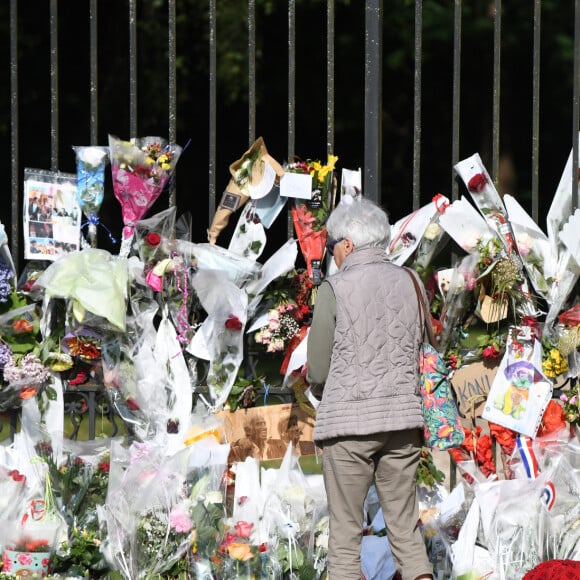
<point>153,239</point>
<point>132,404</point>
<point>477,183</point>
<point>104,466</point>
<point>233,323</point>
<point>491,353</point>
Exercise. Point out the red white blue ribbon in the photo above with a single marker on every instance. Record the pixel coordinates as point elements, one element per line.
<point>528,456</point>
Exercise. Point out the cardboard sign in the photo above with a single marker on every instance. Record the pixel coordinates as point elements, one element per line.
<point>265,432</point>
<point>471,384</point>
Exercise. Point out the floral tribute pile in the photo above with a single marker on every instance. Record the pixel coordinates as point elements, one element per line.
<point>174,331</point>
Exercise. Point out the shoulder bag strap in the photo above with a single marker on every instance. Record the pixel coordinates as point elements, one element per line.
<point>423,312</point>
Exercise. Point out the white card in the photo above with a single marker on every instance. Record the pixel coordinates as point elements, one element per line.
<point>296,185</point>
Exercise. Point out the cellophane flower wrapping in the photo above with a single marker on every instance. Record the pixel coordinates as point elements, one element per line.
<point>465,225</point>
<point>238,269</point>
<point>249,238</point>
<point>486,198</point>
<point>221,335</point>
<point>13,492</point>
<point>458,299</point>
<point>512,532</point>
<point>411,233</point>
<point>141,169</point>
<point>94,280</point>
<point>91,163</point>
<point>147,513</point>
<point>433,240</point>
<point>295,517</point>
<point>309,216</point>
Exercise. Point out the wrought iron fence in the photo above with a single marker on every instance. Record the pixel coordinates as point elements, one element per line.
<point>459,98</point>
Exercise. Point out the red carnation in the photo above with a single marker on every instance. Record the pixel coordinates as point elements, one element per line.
<point>233,323</point>
<point>477,183</point>
<point>153,239</point>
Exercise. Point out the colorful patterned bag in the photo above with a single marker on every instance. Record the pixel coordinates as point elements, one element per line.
<point>442,428</point>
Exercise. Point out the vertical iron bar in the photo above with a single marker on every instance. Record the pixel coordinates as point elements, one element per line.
<point>133,68</point>
<point>330,77</point>
<point>93,66</point>
<point>212,108</point>
<point>575,100</point>
<point>16,209</point>
<point>251,71</point>
<point>536,110</point>
<point>496,90</point>
<point>417,105</point>
<point>54,85</point>
<point>456,96</point>
<point>291,78</point>
<point>373,98</point>
<point>172,86</point>
<point>291,98</point>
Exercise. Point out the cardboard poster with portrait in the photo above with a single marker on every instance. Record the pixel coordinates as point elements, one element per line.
<point>265,432</point>
<point>51,215</point>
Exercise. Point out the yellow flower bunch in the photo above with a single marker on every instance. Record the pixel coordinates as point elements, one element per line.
<point>321,171</point>
<point>554,364</point>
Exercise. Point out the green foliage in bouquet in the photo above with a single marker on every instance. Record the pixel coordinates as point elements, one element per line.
<point>427,472</point>
<point>80,556</point>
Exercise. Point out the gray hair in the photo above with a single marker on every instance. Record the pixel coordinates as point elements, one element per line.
<point>361,220</point>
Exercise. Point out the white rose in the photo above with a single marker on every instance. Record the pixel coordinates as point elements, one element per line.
<point>432,232</point>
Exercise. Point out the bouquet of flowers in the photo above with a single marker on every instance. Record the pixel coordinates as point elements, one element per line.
<point>26,377</point>
<point>146,513</point>
<point>141,169</point>
<point>91,162</point>
<point>310,216</point>
<point>289,308</point>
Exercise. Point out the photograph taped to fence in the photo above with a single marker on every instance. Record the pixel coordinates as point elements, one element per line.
<point>52,215</point>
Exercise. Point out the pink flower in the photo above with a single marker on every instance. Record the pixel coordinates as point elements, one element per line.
<point>244,529</point>
<point>24,559</point>
<point>6,562</point>
<point>154,281</point>
<point>180,521</point>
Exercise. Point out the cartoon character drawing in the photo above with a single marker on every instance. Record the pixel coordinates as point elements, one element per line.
<point>521,375</point>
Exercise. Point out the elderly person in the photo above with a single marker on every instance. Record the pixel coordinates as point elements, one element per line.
<point>363,353</point>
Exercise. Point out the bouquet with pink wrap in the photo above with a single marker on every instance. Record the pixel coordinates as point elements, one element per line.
<point>142,169</point>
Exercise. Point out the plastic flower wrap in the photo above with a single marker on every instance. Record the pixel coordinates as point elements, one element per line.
<point>487,199</point>
<point>141,168</point>
<point>294,506</point>
<point>420,228</point>
<point>148,528</point>
<point>13,491</point>
<point>309,216</point>
<point>511,512</point>
<point>249,239</point>
<point>91,163</point>
<point>94,280</point>
<point>220,339</point>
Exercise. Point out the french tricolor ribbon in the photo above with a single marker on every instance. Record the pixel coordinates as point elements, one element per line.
<point>549,495</point>
<point>526,451</point>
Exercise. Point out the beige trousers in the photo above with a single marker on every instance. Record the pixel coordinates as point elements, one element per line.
<point>349,467</point>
